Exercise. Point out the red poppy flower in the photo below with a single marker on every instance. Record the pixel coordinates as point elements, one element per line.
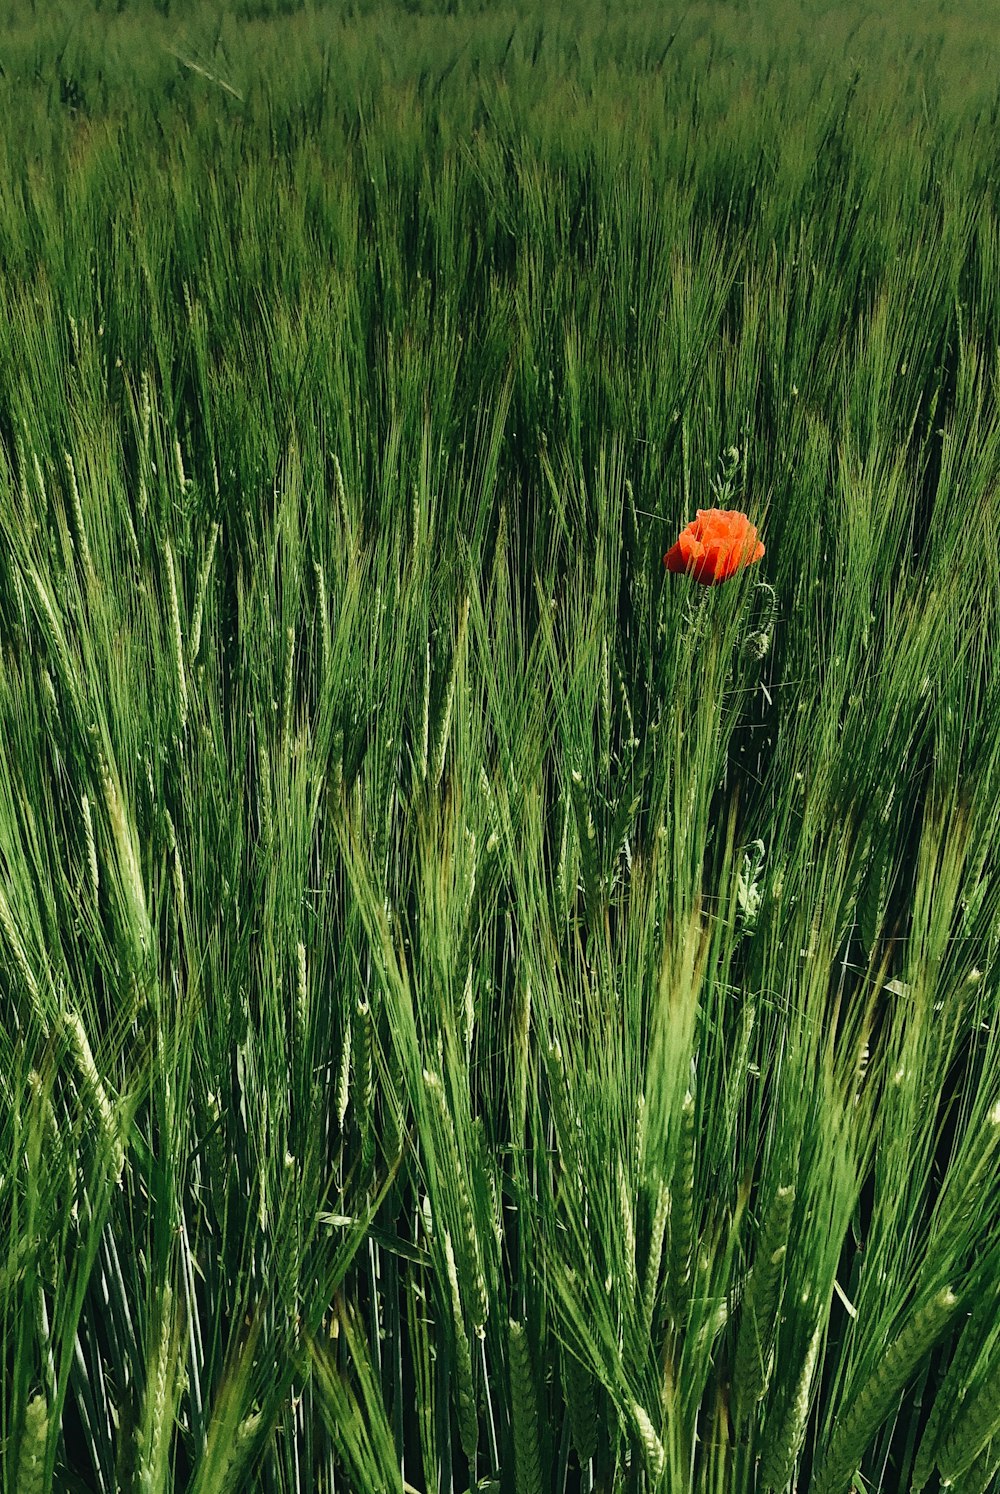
<point>714,546</point>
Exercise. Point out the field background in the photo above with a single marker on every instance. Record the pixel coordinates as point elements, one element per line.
<point>477,1012</point>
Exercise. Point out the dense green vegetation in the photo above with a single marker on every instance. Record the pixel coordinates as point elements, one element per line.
<point>476,1011</point>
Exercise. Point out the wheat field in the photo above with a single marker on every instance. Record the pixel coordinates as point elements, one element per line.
<point>480,1013</point>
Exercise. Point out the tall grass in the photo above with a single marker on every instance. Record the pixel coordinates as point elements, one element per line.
<point>478,1012</point>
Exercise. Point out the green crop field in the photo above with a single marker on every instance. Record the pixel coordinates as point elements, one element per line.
<point>481,1011</point>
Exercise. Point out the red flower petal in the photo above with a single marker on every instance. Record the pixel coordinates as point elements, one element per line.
<point>714,546</point>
